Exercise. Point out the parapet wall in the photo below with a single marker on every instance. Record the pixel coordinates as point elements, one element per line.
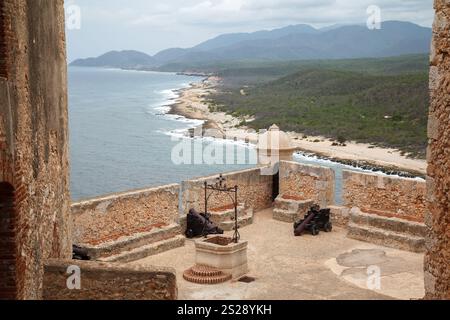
<point>306,182</point>
<point>115,216</point>
<point>106,281</point>
<point>255,191</point>
<point>390,196</point>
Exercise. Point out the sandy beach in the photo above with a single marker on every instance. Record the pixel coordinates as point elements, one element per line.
<point>192,104</point>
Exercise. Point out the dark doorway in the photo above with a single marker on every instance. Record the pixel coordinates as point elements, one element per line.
<point>276,185</point>
<point>8,282</point>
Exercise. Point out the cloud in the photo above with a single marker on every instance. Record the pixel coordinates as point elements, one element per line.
<point>159,24</point>
<point>228,13</point>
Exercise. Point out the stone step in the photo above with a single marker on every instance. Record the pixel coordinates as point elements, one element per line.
<point>388,223</point>
<point>147,250</point>
<point>302,206</point>
<point>222,216</point>
<point>285,216</point>
<point>288,216</point>
<point>386,238</point>
<point>131,242</point>
<point>242,222</point>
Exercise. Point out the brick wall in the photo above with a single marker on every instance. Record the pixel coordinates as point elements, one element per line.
<point>390,196</point>
<point>255,191</point>
<point>437,259</point>
<point>33,135</point>
<point>106,281</point>
<point>305,182</point>
<point>111,217</point>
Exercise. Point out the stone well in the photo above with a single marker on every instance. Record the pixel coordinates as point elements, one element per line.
<point>221,253</point>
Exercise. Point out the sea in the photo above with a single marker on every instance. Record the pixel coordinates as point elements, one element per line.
<point>122,137</point>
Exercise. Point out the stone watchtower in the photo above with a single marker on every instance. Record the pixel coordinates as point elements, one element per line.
<point>274,146</point>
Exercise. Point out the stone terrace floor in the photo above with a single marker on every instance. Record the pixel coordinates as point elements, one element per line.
<point>329,266</point>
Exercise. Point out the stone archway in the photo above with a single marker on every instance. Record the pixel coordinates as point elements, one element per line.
<point>8,280</point>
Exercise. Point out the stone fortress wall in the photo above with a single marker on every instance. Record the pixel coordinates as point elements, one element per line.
<point>100,281</point>
<point>255,191</point>
<point>111,217</point>
<point>437,259</point>
<point>384,195</point>
<point>306,182</point>
<point>34,170</point>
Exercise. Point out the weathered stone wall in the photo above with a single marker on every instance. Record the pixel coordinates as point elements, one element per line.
<point>389,196</point>
<point>437,259</point>
<point>106,281</point>
<point>255,191</point>
<point>109,218</point>
<point>305,182</point>
<point>33,138</point>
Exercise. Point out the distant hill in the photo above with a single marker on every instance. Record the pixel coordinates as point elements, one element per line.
<point>127,59</point>
<point>382,101</point>
<point>299,42</point>
<point>235,38</point>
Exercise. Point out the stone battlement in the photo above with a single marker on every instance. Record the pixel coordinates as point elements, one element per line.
<point>122,225</point>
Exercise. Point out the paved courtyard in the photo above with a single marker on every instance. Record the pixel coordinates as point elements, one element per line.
<point>285,267</point>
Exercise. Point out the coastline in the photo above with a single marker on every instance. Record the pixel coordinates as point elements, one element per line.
<point>192,104</point>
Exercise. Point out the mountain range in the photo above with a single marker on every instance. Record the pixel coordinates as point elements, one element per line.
<point>298,42</point>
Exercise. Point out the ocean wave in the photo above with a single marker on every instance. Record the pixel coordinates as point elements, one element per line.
<point>162,108</point>
<point>182,134</point>
<point>169,94</point>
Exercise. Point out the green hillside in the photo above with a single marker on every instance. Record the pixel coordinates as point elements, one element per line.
<point>380,101</point>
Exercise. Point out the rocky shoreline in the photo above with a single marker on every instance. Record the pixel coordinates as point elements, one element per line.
<point>368,166</point>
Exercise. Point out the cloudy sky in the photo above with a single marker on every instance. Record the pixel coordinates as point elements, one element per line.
<point>154,25</point>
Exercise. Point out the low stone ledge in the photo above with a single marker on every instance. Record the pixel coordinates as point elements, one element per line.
<point>290,209</point>
<point>147,250</point>
<point>131,242</point>
<point>108,281</point>
<point>340,216</point>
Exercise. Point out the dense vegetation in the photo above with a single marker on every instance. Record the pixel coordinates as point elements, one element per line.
<point>380,101</point>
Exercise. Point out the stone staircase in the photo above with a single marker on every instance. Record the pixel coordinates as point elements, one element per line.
<point>224,218</point>
<point>390,232</point>
<point>290,210</point>
<point>138,246</point>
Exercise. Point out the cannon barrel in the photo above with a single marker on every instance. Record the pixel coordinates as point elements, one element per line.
<point>301,228</point>
<point>79,253</point>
